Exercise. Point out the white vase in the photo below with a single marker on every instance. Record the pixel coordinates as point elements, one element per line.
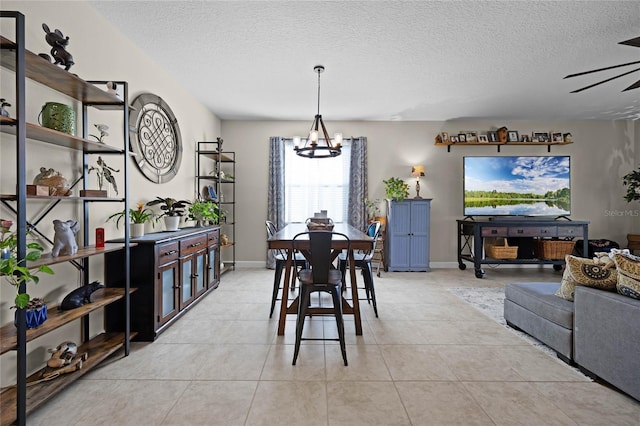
<point>137,230</point>
<point>171,223</point>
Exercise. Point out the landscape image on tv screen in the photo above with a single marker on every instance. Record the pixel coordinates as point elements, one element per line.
<point>517,186</point>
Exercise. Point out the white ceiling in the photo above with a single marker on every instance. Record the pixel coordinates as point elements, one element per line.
<point>392,60</point>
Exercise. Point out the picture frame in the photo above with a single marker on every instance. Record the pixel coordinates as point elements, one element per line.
<point>567,137</point>
<point>512,136</point>
<point>556,137</point>
<point>483,138</point>
<point>444,136</point>
<point>453,139</point>
<point>471,136</point>
<point>525,138</point>
<point>492,136</point>
<point>462,137</point>
<point>541,136</point>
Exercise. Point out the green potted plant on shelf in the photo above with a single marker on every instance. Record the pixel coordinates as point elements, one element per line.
<point>396,189</point>
<point>172,211</point>
<point>137,218</point>
<point>14,273</point>
<point>203,211</point>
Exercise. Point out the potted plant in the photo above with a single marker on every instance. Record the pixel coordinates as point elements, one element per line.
<point>137,218</point>
<point>172,211</point>
<point>35,313</point>
<point>14,273</point>
<point>203,211</point>
<point>632,181</point>
<point>396,189</point>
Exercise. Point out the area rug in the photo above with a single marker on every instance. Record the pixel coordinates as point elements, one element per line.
<point>490,301</point>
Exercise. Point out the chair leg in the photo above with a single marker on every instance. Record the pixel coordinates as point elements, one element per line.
<point>337,305</point>
<point>302,313</point>
<point>369,283</point>
<point>276,286</point>
<point>342,266</point>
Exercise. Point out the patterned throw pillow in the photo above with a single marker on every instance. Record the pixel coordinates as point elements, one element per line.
<point>586,272</point>
<point>628,276</point>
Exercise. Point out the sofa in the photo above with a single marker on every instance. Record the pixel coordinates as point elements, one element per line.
<point>599,331</point>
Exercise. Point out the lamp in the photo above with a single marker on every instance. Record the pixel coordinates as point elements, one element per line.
<point>417,171</point>
<point>311,148</point>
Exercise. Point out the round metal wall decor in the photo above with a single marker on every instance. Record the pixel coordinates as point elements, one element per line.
<point>155,138</point>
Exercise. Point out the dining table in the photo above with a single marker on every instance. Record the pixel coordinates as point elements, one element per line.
<point>283,240</point>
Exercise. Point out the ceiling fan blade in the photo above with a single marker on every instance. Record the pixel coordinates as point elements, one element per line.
<point>635,42</point>
<point>605,81</point>
<point>633,86</point>
<point>602,69</point>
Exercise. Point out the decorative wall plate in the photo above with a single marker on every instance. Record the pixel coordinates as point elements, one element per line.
<point>155,138</point>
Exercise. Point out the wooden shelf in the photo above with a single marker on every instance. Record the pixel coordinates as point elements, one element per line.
<point>214,179</point>
<point>499,144</point>
<point>55,77</point>
<point>13,197</point>
<point>47,259</point>
<point>46,135</point>
<point>57,318</point>
<point>98,348</point>
<point>214,156</point>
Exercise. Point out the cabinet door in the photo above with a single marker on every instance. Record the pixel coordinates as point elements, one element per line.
<point>213,266</point>
<point>419,246</point>
<point>199,272</point>
<point>187,289</point>
<point>399,235</point>
<point>168,291</point>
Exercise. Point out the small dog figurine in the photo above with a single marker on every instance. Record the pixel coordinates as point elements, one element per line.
<point>79,296</point>
<point>58,43</point>
<point>64,240</point>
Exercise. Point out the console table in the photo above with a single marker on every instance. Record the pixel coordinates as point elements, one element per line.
<point>471,234</point>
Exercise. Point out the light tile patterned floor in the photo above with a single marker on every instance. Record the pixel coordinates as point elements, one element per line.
<point>430,359</point>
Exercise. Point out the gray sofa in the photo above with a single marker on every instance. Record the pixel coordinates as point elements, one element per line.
<point>599,331</point>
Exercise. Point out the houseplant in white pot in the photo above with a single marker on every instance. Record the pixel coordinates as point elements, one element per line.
<point>137,218</point>
<point>172,211</point>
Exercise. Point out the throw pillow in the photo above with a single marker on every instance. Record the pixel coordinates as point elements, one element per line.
<point>628,276</point>
<point>586,272</point>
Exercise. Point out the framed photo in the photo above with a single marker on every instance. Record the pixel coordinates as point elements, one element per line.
<point>567,137</point>
<point>471,136</point>
<point>462,137</point>
<point>541,136</point>
<point>556,137</point>
<point>512,136</point>
<point>483,138</point>
<point>492,136</point>
<point>444,136</point>
<point>525,138</point>
<point>453,139</point>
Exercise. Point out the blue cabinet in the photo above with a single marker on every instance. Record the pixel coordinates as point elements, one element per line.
<point>407,244</point>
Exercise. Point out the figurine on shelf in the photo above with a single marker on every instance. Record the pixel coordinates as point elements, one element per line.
<point>58,43</point>
<point>54,180</point>
<point>4,103</point>
<point>64,240</point>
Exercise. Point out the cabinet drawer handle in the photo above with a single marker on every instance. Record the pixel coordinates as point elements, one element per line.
<point>520,231</point>
<point>494,231</point>
<point>194,275</point>
<point>170,252</point>
<point>196,244</point>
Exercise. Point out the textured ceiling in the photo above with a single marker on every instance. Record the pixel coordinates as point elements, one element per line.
<point>392,60</point>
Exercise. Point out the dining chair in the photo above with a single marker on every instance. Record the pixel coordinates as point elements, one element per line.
<point>362,260</point>
<point>320,277</point>
<point>280,257</point>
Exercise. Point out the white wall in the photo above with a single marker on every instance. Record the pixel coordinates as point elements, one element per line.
<point>100,53</point>
<point>602,152</point>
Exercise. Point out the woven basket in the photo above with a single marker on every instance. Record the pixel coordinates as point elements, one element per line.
<point>496,250</point>
<point>553,249</point>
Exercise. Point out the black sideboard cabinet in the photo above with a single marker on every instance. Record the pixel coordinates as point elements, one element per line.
<point>172,271</point>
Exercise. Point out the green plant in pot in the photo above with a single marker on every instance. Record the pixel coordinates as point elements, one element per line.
<point>138,216</point>
<point>396,189</point>
<point>632,181</point>
<point>12,270</point>
<point>203,212</point>
<point>172,211</point>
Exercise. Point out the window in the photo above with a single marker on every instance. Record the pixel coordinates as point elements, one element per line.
<point>312,185</point>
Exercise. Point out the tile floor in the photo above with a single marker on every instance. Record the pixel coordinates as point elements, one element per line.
<point>430,359</point>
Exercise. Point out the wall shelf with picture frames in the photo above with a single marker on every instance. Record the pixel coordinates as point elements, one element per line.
<point>510,137</point>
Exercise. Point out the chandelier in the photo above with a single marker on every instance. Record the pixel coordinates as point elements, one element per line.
<point>312,147</point>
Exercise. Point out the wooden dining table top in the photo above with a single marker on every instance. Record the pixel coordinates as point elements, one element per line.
<point>359,240</point>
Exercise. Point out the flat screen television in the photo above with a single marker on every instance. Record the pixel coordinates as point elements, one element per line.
<point>517,186</point>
